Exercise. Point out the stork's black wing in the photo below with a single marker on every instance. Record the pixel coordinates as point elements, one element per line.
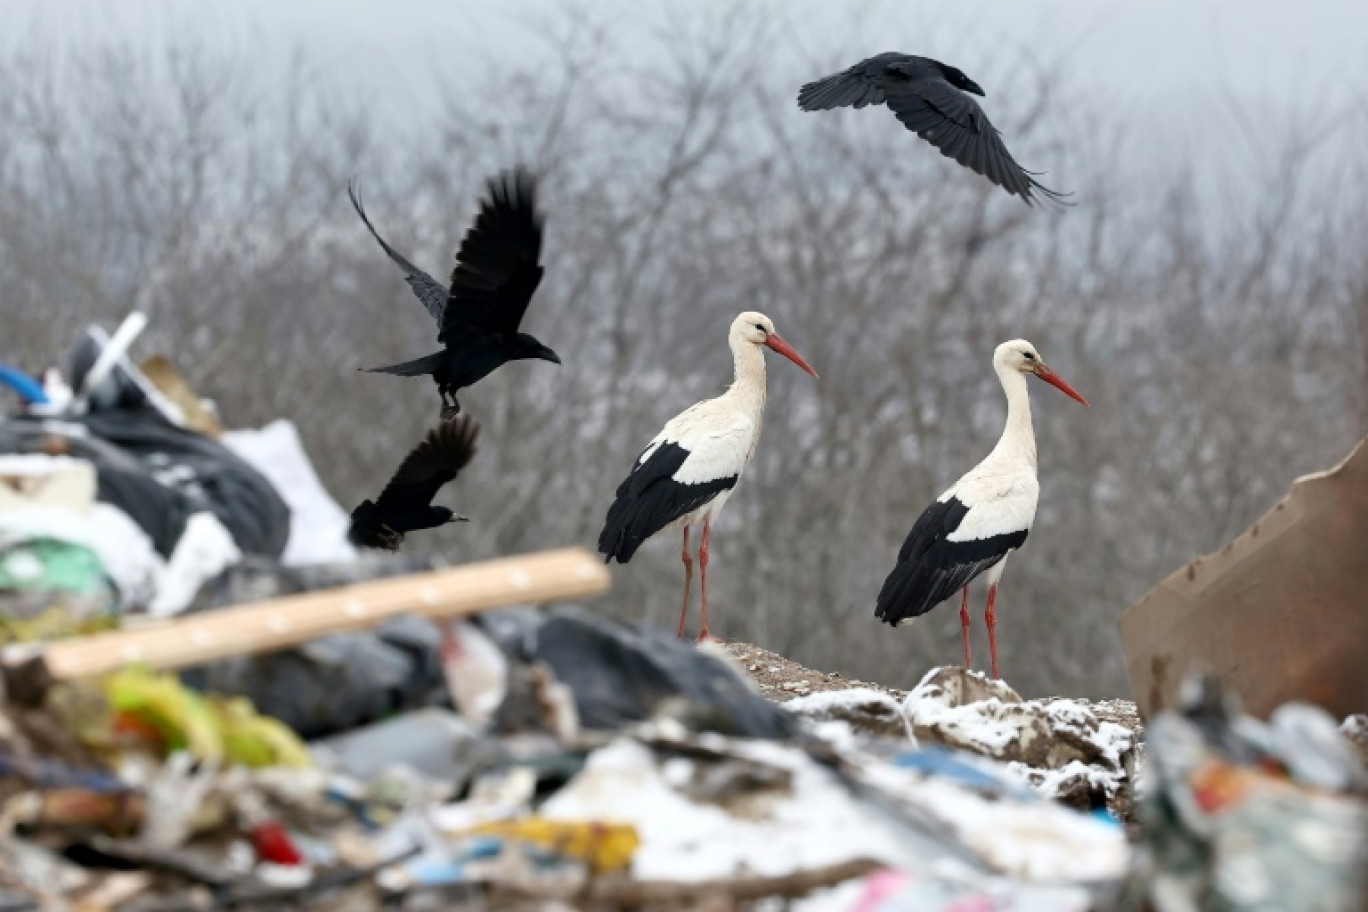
<point>954,123</point>
<point>430,291</point>
<point>434,462</point>
<point>497,268</point>
<point>650,499</point>
<point>931,568</point>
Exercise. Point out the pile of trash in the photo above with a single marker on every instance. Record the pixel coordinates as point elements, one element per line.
<point>550,758</point>
<point>124,500</point>
<point>575,760</point>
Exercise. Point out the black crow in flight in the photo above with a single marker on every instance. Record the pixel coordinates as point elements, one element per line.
<point>931,99</point>
<point>496,272</point>
<point>406,503</point>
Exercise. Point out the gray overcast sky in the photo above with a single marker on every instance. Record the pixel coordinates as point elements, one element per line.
<point>1151,47</point>
<point>1163,65</point>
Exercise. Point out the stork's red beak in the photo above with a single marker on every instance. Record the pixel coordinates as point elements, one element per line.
<point>1058,382</point>
<point>774,341</point>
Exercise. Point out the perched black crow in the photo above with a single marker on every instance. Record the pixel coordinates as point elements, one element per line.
<point>495,276</point>
<point>406,503</point>
<point>930,99</point>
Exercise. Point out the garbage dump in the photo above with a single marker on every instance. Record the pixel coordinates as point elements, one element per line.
<point>402,755</point>
<point>1242,814</point>
<point>169,507</point>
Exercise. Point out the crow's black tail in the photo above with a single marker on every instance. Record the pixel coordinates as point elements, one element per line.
<point>416,368</point>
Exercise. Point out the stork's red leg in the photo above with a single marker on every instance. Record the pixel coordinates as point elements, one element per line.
<point>991,617</point>
<point>965,621</point>
<point>703,576</point>
<point>688,580</point>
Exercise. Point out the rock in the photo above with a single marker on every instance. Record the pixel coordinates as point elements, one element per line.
<point>866,711</point>
<point>1059,746</point>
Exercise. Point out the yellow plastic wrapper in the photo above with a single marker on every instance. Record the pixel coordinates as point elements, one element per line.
<point>605,847</point>
<point>180,716</point>
<point>211,728</point>
<point>253,740</point>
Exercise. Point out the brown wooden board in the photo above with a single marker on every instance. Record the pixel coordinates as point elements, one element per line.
<point>1278,614</point>
<point>276,623</point>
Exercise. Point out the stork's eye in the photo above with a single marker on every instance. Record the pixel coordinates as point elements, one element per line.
<point>759,327</point>
<point>1028,356</point>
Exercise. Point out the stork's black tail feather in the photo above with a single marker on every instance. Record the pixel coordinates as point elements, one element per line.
<point>622,531</point>
<point>641,511</point>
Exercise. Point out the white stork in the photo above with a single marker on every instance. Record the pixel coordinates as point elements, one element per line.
<point>981,518</point>
<point>686,474</point>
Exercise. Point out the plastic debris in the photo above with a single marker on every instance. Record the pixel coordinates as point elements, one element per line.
<point>273,844</point>
<point>318,526</point>
<point>159,705</point>
<point>605,847</point>
<point>211,729</point>
<point>51,565</point>
<point>435,742</point>
<point>624,673</point>
<point>1240,815</point>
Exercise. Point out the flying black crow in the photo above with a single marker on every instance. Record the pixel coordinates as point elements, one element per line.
<point>931,99</point>
<point>406,503</point>
<point>495,276</point>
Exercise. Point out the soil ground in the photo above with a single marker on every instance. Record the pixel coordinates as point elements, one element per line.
<point>781,680</point>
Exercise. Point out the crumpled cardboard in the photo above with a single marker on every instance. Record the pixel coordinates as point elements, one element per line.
<point>1280,613</point>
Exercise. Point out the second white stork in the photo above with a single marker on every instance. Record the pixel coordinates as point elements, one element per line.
<point>980,519</point>
<point>688,471</point>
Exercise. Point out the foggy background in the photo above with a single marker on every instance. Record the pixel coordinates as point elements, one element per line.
<point>1208,293</point>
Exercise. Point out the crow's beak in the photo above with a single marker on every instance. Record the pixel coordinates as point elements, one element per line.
<point>457,517</point>
<point>972,86</point>
<point>547,354</point>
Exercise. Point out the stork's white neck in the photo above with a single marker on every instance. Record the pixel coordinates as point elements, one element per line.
<point>748,383</point>
<point>1018,437</point>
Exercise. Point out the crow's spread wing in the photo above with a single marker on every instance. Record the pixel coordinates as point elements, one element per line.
<point>497,268</point>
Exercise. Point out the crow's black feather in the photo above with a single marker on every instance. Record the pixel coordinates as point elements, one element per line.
<point>497,272</point>
<point>405,505</point>
<point>933,100</point>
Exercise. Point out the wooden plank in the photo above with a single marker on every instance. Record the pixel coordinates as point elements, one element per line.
<point>277,623</point>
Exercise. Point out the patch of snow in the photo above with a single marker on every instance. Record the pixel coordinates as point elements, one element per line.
<point>683,840</point>
<point>973,723</point>
<point>1056,783</point>
<point>865,711</point>
<point>1058,746</point>
<point>854,697</point>
<point>1036,841</point>
<point>318,526</point>
<point>837,733</point>
<point>821,821</point>
<point>1112,741</point>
